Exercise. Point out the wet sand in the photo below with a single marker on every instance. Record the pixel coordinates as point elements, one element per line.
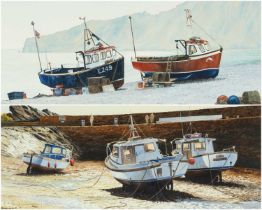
<point>89,184</point>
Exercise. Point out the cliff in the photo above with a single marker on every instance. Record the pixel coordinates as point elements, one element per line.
<point>232,24</point>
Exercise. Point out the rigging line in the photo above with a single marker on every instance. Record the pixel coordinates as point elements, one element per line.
<point>207,33</point>
<point>182,125</point>
<point>106,43</point>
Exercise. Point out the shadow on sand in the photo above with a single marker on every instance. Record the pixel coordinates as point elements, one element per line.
<point>150,194</point>
<point>41,173</point>
<point>207,181</point>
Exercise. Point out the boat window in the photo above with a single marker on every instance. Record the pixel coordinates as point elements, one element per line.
<point>63,151</point>
<point>115,152</point>
<point>201,48</point>
<point>149,147</point>
<point>103,55</point>
<point>129,155</point>
<point>88,59</point>
<point>186,146</point>
<point>178,146</point>
<point>95,58</point>
<point>199,145</point>
<point>113,52</point>
<point>108,54</point>
<point>207,47</point>
<point>56,150</point>
<point>192,49</point>
<point>47,149</point>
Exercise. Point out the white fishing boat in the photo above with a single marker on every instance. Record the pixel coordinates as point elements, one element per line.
<point>138,161</point>
<point>207,161</point>
<point>53,159</point>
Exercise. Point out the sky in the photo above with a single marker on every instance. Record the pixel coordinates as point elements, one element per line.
<point>112,109</point>
<point>55,16</point>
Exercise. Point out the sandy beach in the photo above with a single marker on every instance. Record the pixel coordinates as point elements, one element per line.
<point>89,184</point>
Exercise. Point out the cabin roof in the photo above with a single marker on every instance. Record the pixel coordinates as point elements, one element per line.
<point>198,139</point>
<point>98,48</point>
<point>53,145</point>
<point>136,142</point>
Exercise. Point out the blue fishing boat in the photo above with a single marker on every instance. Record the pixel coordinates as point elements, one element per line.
<point>97,59</point>
<point>53,158</point>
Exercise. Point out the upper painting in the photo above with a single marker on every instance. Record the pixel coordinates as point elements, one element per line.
<point>131,52</point>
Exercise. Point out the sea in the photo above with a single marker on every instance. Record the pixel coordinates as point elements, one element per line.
<point>240,71</point>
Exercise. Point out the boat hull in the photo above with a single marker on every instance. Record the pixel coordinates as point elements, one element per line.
<point>78,78</point>
<point>218,161</point>
<point>44,163</point>
<point>194,67</point>
<point>160,171</point>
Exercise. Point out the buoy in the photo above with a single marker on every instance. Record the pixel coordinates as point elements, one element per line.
<point>191,161</point>
<point>72,162</point>
<point>222,99</point>
<point>233,100</point>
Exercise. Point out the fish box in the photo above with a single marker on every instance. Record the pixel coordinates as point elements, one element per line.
<point>140,85</point>
<point>108,88</point>
<point>94,81</point>
<point>16,95</point>
<point>95,89</point>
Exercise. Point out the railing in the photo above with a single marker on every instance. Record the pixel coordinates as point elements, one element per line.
<point>230,149</point>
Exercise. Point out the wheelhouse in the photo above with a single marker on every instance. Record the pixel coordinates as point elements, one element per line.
<point>194,46</point>
<point>99,54</point>
<point>133,152</point>
<point>194,145</point>
<point>54,152</point>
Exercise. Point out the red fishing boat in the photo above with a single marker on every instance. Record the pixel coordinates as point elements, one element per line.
<point>197,60</point>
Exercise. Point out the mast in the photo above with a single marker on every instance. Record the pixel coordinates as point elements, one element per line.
<point>86,32</point>
<point>36,35</point>
<point>133,132</point>
<point>130,19</point>
<point>132,127</point>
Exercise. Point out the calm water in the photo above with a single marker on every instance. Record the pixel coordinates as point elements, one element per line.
<point>19,70</point>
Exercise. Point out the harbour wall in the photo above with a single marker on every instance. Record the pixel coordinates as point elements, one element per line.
<point>226,112</point>
<point>244,133</point>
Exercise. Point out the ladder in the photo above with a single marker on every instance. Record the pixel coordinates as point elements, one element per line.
<point>169,64</point>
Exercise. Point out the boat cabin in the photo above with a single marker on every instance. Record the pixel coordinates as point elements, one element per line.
<point>53,151</point>
<point>194,46</point>
<point>97,55</point>
<point>135,151</point>
<point>193,145</point>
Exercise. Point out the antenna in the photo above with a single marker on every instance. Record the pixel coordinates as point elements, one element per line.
<point>188,18</point>
<point>130,20</point>
<point>37,35</point>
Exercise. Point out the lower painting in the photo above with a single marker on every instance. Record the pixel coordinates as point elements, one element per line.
<point>131,156</point>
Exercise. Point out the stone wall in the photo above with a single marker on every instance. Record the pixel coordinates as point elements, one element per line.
<point>244,133</point>
<point>231,112</point>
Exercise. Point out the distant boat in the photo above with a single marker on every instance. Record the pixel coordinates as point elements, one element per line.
<point>207,161</point>
<point>194,59</point>
<point>99,60</point>
<point>53,159</point>
<point>138,161</point>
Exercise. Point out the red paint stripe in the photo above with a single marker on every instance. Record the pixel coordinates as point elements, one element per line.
<point>188,65</point>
